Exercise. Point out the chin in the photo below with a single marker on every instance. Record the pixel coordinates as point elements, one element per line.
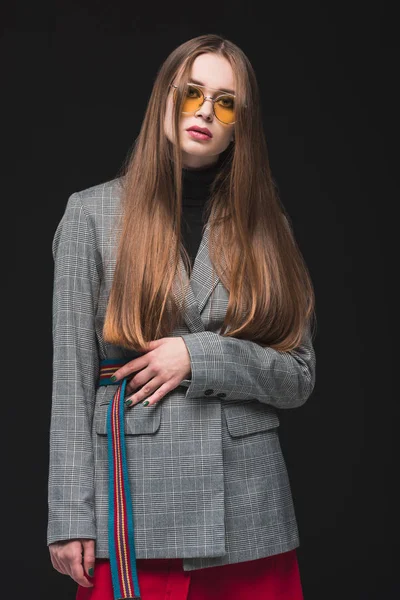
<point>197,150</point>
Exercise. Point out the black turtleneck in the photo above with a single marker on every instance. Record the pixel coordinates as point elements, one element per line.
<point>196,184</point>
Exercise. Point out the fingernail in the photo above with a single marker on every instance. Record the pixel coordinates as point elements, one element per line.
<point>113,378</point>
<point>145,403</point>
<point>91,571</point>
<point>128,402</point>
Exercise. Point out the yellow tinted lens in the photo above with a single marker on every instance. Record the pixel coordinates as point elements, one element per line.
<point>193,99</point>
<point>224,107</point>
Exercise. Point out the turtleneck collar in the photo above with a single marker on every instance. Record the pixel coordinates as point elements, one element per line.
<point>197,182</point>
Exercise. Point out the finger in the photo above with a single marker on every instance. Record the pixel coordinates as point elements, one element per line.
<point>70,557</point>
<point>57,556</point>
<point>77,573</point>
<point>57,565</point>
<point>144,393</point>
<point>136,382</point>
<point>134,365</point>
<point>158,394</point>
<point>89,558</point>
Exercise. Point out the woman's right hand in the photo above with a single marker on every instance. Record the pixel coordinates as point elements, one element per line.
<point>74,558</point>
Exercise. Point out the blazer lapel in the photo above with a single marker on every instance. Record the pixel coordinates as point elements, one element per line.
<point>202,282</point>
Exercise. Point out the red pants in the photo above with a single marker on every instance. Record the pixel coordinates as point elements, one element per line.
<point>272,578</point>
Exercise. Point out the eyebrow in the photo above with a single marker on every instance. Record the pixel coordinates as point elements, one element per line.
<point>218,90</point>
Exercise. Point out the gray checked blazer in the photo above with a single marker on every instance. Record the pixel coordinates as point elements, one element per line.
<point>207,474</point>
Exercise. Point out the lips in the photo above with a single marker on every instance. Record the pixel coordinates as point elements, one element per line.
<point>201,130</point>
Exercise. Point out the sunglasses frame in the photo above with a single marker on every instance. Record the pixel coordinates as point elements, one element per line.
<point>213,100</point>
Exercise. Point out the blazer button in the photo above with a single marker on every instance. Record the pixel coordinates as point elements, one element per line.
<point>221,395</point>
<point>208,392</point>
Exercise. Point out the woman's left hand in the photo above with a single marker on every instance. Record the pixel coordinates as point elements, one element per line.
<point>162,369</point>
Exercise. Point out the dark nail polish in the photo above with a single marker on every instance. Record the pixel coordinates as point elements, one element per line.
<point>128,402</point>
<point>145,403</point>
<point>91,572</point>
<point>113,378</point>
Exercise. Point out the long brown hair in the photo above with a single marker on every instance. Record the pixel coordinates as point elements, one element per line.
<point>251,243</point>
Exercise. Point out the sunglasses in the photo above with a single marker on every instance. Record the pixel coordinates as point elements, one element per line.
<point>223,105</point>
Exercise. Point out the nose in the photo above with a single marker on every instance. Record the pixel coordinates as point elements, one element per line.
<point>206,109</point>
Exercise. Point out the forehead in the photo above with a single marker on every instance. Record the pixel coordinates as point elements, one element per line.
<point>213,71</point>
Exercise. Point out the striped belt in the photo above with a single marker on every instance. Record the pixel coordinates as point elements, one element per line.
<point>121,541</point>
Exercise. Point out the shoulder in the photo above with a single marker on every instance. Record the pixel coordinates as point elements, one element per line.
<point>100,199</point>
<point>90,214</point>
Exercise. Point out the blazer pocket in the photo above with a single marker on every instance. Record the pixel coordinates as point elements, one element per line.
<point>249,417</point>
<point>139,419</point>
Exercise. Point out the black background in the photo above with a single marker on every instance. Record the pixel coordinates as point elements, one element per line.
<point>77,78</point>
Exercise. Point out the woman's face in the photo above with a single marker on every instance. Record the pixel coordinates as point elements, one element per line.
<point>215,73</point>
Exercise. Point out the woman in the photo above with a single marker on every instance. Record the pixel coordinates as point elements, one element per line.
<point>183,314</point>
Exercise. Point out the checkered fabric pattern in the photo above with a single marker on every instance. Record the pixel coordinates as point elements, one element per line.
<point>208,479</point>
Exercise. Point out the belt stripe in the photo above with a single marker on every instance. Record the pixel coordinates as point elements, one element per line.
<point>120,514</point>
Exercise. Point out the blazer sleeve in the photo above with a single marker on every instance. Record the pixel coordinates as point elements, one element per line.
<point>236,369</point>
<point>75,372</point>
